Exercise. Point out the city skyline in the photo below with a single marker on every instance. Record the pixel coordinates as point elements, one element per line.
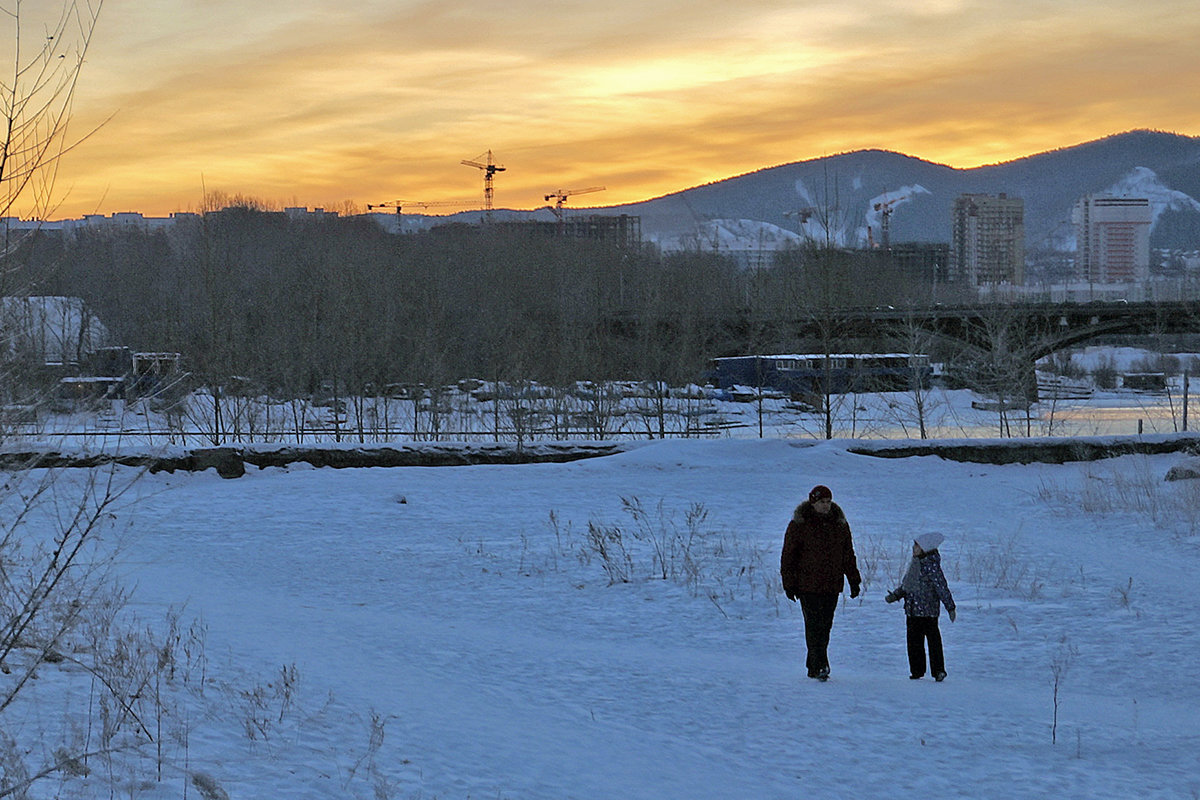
<point>296,104</point>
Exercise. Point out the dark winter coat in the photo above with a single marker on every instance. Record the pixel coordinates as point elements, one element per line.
<point>925,586</point>
<point>818,551</point>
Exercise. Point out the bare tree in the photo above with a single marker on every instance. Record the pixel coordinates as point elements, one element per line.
<point>41,55</point>
<point>1000,366</point>
<point>66,622</point>
<point>827,276</point>
<point>45,53</point>
<point>58,602</point>
<point>916,401</point>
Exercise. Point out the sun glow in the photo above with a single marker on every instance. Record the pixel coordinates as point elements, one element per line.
<point>288,100</point>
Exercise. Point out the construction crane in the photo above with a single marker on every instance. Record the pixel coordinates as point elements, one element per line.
<point>561,196</point>
<point>802,215</point>
<point>884,207</point>
<point>485,162</point>
<point>400,205</point>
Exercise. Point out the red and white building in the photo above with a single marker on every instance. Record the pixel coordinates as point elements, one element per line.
<point>1113,236</point>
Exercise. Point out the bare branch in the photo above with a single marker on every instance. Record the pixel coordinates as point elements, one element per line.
<point>37,99</point>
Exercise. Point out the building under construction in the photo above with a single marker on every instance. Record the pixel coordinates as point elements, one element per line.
<point>624,230</point>
<point>926,262</point>
<point>988,240</point>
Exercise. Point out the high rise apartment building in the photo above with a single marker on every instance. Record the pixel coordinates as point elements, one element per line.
<point>988,239</point>
<point>1113,238</point>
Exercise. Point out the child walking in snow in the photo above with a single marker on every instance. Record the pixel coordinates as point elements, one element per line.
<point>924,590</point>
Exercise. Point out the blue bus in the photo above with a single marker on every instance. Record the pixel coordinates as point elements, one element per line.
<point>806,374</point>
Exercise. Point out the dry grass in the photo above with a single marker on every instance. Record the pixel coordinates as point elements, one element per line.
<point>1121,488</point>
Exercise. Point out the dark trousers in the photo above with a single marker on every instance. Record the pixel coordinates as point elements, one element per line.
<point>922,630</point>
<point>818,608</point>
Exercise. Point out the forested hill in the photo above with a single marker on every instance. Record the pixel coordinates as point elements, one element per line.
<point>752,210</point>
<point>1164,167</point>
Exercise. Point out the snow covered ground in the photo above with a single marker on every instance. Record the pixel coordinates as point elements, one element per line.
<point>468,615</point>
<point>695,413</point>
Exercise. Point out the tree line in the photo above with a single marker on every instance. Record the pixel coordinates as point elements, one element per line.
<point>291,304</point>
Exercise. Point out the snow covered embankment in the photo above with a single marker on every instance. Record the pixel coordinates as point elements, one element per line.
<point>231,462</point>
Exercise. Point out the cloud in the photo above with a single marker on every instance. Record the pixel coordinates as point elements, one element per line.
<point>301,99</point>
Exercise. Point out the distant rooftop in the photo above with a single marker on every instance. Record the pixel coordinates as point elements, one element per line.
<point>131,219</point>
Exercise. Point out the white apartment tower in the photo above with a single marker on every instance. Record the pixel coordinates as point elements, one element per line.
<point>1113,238</point>
<point>988,239</point>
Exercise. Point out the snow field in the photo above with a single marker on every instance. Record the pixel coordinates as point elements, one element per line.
<point>488,643</point>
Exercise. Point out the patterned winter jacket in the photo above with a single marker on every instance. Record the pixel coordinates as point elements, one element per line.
<point>931,587</point>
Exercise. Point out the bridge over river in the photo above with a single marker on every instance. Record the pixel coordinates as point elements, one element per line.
<point>982,331</point>
<point>1031,330</point>
<point>991,347</point>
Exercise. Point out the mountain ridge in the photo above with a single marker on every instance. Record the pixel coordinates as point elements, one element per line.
<point>1050,183</point>
<point>764,208</point>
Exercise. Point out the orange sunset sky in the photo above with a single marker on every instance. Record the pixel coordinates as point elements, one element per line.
<point>320,103</point>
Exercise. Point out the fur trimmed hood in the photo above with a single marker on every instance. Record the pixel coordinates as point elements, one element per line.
<point>805,512</point>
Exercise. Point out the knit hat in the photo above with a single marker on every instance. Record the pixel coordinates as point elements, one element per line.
<point>929,541</point>
<point>820,493</point>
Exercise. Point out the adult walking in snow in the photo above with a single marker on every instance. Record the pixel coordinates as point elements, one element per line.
<point>924,590</point>
<point>817,560</point>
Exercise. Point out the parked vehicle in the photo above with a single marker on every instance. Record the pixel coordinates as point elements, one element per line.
<point>807,374</point>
